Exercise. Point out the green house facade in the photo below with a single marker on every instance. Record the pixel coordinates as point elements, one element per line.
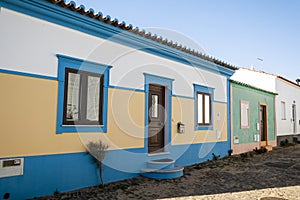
<point>253,118</point>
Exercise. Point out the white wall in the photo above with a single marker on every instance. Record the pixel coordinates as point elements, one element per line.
<point>30,45</point>
<point>255,78</point>
<point>288,93</point>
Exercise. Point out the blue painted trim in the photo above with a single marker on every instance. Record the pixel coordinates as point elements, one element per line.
<point>181,96</point>
<point>202,88</point>
<point>202,128</point>
<point>229,112</point>
<point>79,64</point>
<point>146,116</point>
<point>187,97</point>
<point>45,10</point>
<point>27,74</point>
<point>126,88</point>
<point>105,98</point>
<point>168,83</point>
<point>208,90</point>
<point>160,80</point>
<point>223,102</point>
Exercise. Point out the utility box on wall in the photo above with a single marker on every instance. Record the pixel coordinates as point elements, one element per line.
<point>180,127</point>
<point>236,140</point>
<point>256,138</point>
<point>218,134</point>
<point>11,167</point>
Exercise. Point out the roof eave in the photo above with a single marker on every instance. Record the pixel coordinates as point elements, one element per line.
<point>86,21</point>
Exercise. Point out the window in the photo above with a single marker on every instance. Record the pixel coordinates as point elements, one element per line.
<point>245,114</point>
<point>154,112</point>
<point>82,95</point>
<point>203,107</point>
<point>83,98</point>
<point>283,110</point>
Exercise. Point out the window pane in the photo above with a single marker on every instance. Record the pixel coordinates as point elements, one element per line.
<point>73,97</point>
<point>200,108</point>
<point>207,109</point>
<point>154,107</point>
<point>93,100</point>
<point>283,110</point>
<point>245,114</point>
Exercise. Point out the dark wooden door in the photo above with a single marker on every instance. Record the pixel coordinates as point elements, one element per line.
<point>156,108</point>
<point>263,125</point>
<point>294,118</point>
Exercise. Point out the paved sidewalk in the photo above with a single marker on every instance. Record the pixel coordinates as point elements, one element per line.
<point>271,176</point>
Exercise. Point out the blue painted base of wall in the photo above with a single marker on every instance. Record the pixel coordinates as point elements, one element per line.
<point>43,175</point>
<point>198,153</point>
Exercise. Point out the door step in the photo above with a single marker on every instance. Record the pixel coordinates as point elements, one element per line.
<point>161,164</point>
<point>162,169</point>
<point>269,148</point>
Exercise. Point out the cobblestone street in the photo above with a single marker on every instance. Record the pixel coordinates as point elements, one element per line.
<point>269,176</point>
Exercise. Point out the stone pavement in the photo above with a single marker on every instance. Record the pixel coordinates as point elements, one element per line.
<point>270,176</point>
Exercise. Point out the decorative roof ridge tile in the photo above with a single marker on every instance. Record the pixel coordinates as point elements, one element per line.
<point>115,22</point>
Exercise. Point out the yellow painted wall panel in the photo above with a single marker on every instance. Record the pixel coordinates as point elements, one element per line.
<point>28,108</point>
<point>126,118</point>
<point>125,121</point>
<point>183,111</point>
<point>28,120</point>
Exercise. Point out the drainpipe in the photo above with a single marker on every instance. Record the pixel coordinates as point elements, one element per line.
<point>231,117</point>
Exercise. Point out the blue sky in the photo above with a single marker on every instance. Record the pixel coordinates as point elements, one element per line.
<point>235,31</point>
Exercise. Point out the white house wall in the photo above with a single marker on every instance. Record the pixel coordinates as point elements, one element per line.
<point>289,94</point>
<point>38,42</point>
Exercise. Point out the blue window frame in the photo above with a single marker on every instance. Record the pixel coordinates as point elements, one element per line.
<point>203,107</point>
<point>82,95</point>
<point>168,84</point>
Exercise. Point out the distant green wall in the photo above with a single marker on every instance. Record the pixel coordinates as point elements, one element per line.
<point>254,97</point>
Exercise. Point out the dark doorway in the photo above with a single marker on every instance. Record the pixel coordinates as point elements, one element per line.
<point>294,118</point>
<point>263,125</point>
<point>156,128</point>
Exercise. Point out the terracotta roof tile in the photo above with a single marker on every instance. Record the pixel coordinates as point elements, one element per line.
<point>128,27</point>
